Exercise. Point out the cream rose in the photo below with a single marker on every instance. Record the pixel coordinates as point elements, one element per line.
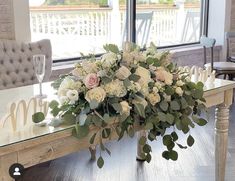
<point>125,108</point>
<point>179,83</point>
<point>179,91</point>
<point>91,81</point>
<point>89,67</point>
<point>154,98</point>
<point>78,72</point>
<point>164,76</point>
<point>127,59</point>
<point>98,94</point>
<point>122,73</point>
<point>115,88</point>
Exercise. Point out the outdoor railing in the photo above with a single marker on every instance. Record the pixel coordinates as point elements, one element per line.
<point>101,25</point>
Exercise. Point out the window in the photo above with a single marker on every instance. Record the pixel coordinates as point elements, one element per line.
<point>84,26</point>
<point>168,22</point>
<point>77,26</point>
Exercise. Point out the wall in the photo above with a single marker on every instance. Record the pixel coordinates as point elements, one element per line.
<point>6,20</point>
<point>14,20</point>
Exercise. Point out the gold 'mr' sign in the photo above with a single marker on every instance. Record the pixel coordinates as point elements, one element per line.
<point>20,113</point>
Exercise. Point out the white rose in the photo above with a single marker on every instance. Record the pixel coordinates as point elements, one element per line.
<point>154,98</point>
<point>179,91</point>
<point>145,78</point>
<point>63,99</point>
<point>109,59</point>
<point>69,84</point>
<point>72,95</point>
<point>98,94</point>
<point>144,74</point>
<point>122,73</point>
<point>125,108</point>
<point>179,83</point>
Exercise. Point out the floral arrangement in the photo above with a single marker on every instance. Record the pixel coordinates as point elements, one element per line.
<point>128,88</point>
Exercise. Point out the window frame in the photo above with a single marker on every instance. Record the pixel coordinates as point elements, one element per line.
<point>131,7</point>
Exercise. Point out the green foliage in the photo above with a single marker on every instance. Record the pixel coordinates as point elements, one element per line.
<point>38,117</point>
<point>154,104</point>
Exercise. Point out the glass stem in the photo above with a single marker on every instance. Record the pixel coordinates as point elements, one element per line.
<point>40,88</point>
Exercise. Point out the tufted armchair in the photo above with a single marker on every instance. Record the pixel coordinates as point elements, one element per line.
<point>16,64</point>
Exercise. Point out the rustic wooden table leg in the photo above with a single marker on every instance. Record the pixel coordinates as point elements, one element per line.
<point>5,162</point>
<point>140,147</point>
<point>221,140</point>
<point>92,150</point>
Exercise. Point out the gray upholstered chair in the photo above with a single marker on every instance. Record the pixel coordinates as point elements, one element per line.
<point>221,68</point>
<point>230,39</point>
<point>16,65</point>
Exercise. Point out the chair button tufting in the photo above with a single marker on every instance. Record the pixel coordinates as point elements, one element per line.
<point>8,72</point>
<point>25,70</point>
<point>20,60</point>
<point>2,62</point>
<point>17,71</point>
<point>4,84</point>
<point>11,60</point>
<point>29,59</point>
<point>13,50</point>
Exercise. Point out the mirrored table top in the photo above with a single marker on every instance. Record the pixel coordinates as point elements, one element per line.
<point>29,130</point>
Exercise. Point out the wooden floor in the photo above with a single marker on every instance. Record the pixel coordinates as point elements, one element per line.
<point>194,164</point>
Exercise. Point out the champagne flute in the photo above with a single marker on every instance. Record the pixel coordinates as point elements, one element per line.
<point>39,62</point>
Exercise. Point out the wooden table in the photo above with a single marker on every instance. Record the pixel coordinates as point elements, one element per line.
<point>34,145</point>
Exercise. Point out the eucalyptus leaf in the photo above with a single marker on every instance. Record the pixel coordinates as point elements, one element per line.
<point>175,105</point>
<point>80,131</point>
<point>148,158</point>
<point>134,77</point>
<point>53,104</point>
<point>167,140</point>
<point>174,136</point>
<point>190,140</point>
<point>173,155</point>
<point>140,109</point>
<point>164,105</point>
<point>166,155</point>
<point>38,117</point>
<point>170,118</point>
<point>69,118</point>
<point>94,104</point>
<point>100,162</point>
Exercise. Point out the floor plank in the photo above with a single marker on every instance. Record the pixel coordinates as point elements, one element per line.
<point>194,164</point>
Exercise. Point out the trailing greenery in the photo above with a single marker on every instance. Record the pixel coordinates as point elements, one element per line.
<point>128,88</point>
